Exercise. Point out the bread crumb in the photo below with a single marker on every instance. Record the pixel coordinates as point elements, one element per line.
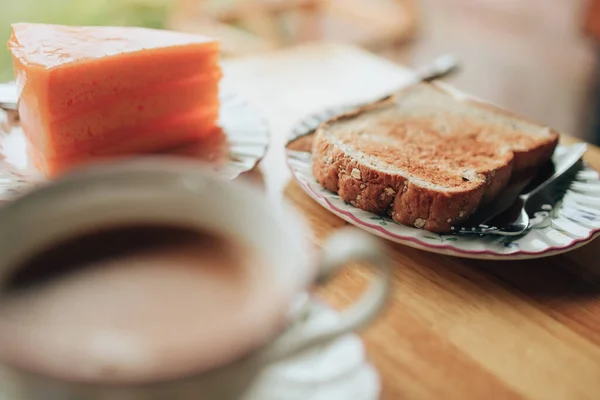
<point>449,220</point>
<point>355,173</point>
<point>362,186</point>
<point>359,197</point>
<point>461,214</point>
<point>389,191</point>
<point>470,175</point>
<point>419,223</point>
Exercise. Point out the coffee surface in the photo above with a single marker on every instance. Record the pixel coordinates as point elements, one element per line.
<point>135,304</point>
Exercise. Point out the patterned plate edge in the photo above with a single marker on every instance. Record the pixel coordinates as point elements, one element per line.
<point>443,248</point>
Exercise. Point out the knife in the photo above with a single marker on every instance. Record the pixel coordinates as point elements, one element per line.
<point>531,185</point>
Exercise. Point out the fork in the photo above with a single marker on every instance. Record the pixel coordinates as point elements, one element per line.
<point>524,201</point>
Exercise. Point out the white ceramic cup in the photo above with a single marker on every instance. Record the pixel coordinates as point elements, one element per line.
<point>175,191</point>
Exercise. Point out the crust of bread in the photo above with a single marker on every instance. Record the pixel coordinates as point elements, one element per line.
<point>409,200</point>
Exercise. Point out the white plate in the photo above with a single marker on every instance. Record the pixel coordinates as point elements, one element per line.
<point>574,222</point>
<point>244,142</point>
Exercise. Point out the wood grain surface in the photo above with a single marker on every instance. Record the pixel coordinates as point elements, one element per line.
<point>454,328</point>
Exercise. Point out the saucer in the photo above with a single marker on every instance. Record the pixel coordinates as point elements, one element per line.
<point>339,370</point>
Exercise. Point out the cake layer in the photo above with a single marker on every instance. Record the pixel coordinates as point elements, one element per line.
<point>164,133</point>
<point>77,92</point>
<point>50,46</point>
<point>83,132</point>
<point>152,138</point>
<point>87,63</point>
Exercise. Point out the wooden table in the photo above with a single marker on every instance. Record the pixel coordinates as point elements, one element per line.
<point>454,328</point>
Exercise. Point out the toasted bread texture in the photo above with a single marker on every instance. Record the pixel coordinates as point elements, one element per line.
<point>426,157</point>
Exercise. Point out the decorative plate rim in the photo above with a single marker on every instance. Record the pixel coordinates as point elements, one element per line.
<point>228,93</point>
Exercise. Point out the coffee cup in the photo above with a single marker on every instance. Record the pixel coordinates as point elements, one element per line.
<point>163,190</point>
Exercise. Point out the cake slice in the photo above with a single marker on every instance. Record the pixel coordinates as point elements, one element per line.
<point>91,92</point>
<point>426,157</point>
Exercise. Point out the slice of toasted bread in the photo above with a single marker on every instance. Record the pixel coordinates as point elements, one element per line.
<point>426,157</point>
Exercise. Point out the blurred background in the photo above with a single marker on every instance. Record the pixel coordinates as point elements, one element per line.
<point>535,57</point>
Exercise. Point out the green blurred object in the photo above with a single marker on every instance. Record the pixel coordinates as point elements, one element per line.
<point>146,13</point>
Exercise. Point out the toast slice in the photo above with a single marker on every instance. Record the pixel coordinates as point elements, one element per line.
<point>425,156</point>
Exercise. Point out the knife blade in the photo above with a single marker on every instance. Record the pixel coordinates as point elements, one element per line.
<point>530,185</point>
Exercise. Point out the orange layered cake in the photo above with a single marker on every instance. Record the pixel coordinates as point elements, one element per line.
<point>97,92</point>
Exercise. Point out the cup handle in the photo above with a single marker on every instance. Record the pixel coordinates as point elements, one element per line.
<point>342,247</point>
